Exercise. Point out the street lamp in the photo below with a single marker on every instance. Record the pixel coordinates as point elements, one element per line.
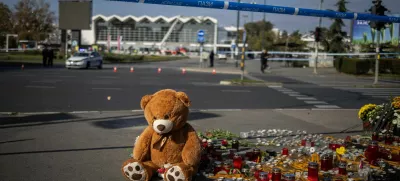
<point>263,28</point>
<point>8,35</point>
<point>252,13</point>
<point>237,36</point>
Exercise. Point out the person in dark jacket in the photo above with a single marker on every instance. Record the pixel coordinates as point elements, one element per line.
<point>264,60</point>
<point>45,52</point>
<point>212,58</point>
<point>51,57</point>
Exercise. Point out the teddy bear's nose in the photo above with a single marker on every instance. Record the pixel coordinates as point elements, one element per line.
<point>161,127</point>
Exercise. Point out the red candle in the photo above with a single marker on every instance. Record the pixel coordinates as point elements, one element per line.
<point>237,162</point>
<point>289,177</point>
<point>342,168</point>
<point>375,136</point>
<point>263,176</point>
<point>224,143</point>
<point>313,171</point>
<point>231,153</point>
<point>257,174</point>
<point>285,151</point>
<point>217,167</point>
<point>303,142</point>
<point>276,174</point>
<point>256,157</point>
<point>326,162</point>
<point>249,155</point>
<point>372,153</point>
<point>388,139</point>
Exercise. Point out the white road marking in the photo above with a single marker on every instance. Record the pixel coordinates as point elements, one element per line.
<point>46,81</point>
<point>105,88</point>
<point>235,91</point>
<point>306,98</point>
<point>296,95</point>
<point>40,87</point>
<point>327,106</point>
<point>315,102</point>
<point>275,87</point>
<point>23,75</point>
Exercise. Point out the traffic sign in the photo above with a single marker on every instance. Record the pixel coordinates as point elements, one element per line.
<point>74,43</point>
<point>200,36</point>
<point>233,46</point>
<point>200,33</point>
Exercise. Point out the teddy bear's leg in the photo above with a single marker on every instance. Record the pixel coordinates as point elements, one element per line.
<point>138,171</point>
<point>179,172</point>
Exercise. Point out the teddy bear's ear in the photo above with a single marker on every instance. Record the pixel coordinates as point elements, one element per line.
<point>145,99</point>
<point>184,98</point>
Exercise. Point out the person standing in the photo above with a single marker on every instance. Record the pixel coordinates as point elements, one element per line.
<point>51,57</point>
<point>264,59</point>
<point>44,55</point>
<point>212,58</point>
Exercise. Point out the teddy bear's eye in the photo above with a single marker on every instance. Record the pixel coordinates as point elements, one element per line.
<point>154,118</point>
<point>166,116</point>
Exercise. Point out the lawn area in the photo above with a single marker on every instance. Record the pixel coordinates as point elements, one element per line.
<point>108,58</point>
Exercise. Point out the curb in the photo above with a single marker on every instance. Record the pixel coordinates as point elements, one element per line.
<point>268,84</point>
<point>102,112</point>
<point>210,71</point>
<point>376,86</point>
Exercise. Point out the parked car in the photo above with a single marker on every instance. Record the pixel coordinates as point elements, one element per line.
<point>85,60</point>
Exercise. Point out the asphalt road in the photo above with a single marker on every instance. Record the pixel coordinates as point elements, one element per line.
<point>58,89</point>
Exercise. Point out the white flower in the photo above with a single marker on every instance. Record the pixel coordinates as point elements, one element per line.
<point>395,121</point>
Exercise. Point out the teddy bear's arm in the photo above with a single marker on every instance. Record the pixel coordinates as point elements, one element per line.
<point>142,147</point>
<point>192,150</point>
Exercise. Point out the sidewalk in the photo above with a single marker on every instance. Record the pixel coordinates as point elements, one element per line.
<point>326,76</point>
<point>92,146</point>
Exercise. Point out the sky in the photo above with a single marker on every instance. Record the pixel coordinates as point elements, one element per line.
<point>228,17</point>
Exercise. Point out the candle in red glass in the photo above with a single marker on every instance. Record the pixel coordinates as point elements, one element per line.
<point>224,143</point>
<point>256,157</point>
<point>263,176</point>
<point>218,156</point>
<point>331,145</point>
<point>204,144</point>
<point>313,171</point>
<point>289,177</point>
<point>227,166</point>
<point>326,163</point>
<point>276,174</point>
<point>237,162</point>
<point>303,142</point>
<point>285,151</point>
<point>372,152</point>
<point>375,136</point>
<point>342,168</point>
<point>388,139</point>
<point>270,176</point>
<point>249,155</point>
<point>312,143</point>
<point>231,153</point>
<point>257,174</point>
<point>210,147</point>
<point>217,167</point>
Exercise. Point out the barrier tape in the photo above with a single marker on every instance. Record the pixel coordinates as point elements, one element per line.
<point>268,9</point>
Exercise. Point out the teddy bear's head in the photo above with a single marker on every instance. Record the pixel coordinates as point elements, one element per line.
<point>166,110</point>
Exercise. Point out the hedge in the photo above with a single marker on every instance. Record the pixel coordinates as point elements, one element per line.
<point>115,58</point>
<point>363,66</point>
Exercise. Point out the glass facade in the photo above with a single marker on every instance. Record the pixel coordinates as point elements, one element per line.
<point>147,31</point>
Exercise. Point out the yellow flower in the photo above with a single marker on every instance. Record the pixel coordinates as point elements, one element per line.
<point>396,99</point>
<point>396,104</point>
<point>365,109</point>
<point>341,150</point>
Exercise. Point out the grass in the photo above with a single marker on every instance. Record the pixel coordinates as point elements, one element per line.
<point>23,58</point>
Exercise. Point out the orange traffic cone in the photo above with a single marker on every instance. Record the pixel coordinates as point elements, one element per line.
<point>214,71</point>
<point>22,67</point>
<point>132,70</point>
<point>115,69</point>
<point>183,71</point>
<point>159,70</point>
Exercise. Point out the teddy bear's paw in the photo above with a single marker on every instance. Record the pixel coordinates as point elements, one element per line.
<point>175,174</point>
<point>135,171</point>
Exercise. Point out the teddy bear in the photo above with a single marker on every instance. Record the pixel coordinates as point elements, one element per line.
<point>168,143</point>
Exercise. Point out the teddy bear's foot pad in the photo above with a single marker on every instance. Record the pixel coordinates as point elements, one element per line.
<point>135,171</point>
<point>175,174</point>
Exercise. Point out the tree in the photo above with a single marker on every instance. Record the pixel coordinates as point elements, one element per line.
<point>34,20</point>
<point>254,32</point>
<point>5,23</point>
<point>335,31</point>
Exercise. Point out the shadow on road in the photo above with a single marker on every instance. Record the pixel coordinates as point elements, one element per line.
<point>43,118</point>
<point>141,121</point>
<point>66,150</point>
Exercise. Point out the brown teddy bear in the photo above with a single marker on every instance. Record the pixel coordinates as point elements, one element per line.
<point>169,142</point>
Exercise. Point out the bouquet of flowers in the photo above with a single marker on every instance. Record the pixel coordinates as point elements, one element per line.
<point>384,118</point>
